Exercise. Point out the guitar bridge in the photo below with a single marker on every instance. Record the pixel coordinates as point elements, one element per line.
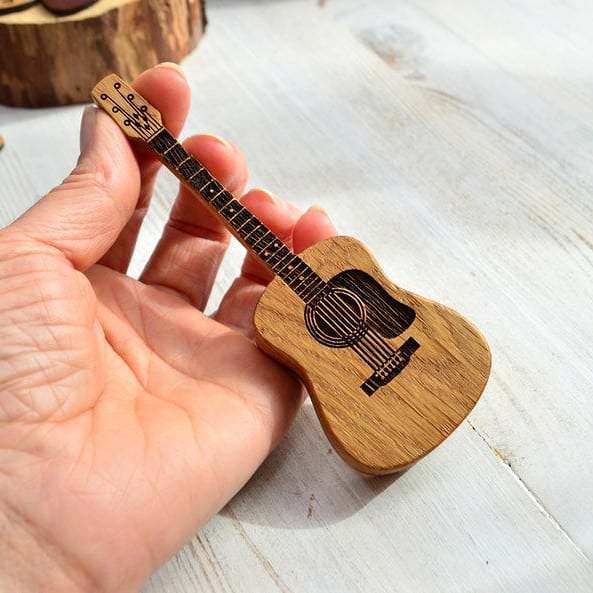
<point>391,368</point>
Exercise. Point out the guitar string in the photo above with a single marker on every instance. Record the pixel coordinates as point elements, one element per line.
<point>371,343</point>
<point>385,348</point>
<point>375,345</point>
<point>374,354</point>
<point>379,342</point>
<point>364,355</point>
<point>375,342</point>
<point>379,346</point>
<point>379,312</point>
<point>329,307</point>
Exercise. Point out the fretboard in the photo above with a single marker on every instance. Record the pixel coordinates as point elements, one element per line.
<point>255,235</point>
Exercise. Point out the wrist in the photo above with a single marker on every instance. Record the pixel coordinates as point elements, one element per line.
<point>28,564</point>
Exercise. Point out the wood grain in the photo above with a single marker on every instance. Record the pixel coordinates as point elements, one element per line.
<point>56,60</point>
<point>329,315</point>
<point>465,168</point>
<point>403,420</point>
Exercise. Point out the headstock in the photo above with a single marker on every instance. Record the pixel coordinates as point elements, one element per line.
<point>135,116</point>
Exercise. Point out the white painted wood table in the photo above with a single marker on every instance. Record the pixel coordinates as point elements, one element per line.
<point>456,139</point>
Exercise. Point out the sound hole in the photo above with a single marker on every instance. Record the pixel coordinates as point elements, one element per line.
<point>336,319</point>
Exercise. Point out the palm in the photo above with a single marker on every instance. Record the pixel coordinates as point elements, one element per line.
<point>172,414</point>
<point>127,416</point>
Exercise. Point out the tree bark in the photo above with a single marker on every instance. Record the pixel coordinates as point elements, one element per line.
<point>48,60</point>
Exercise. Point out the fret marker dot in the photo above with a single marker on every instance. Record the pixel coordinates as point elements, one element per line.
<point>266,253</point>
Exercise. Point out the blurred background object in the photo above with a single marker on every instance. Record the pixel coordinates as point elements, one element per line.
<point>63,7</point>
<point>56,60</point>
<point>7,6</point>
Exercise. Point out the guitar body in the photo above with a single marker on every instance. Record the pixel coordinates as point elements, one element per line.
<point>391,374</point>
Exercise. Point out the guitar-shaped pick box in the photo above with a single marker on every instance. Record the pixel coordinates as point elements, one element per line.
<point>391,374</point>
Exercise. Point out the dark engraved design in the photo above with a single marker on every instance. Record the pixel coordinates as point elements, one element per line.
<point>393,367</point>
<point>176,155</point>
<point>353,310</point>
<point>189,168</point>
<point>212,190</point>
<point>323,318</point>
<point>385,314</point>
<point>241,219</point>
<point>162,141</point>
<point>201,179</point>
<point>135,115</point>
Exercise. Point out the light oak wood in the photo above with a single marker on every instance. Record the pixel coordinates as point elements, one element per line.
<point>482,156</point>
<point>55,60</point>
<point>403,420</point>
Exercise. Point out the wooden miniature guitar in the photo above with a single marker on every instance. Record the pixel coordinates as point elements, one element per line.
<point>391,374</point>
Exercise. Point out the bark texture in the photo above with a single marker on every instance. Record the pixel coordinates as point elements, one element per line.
<point>49,60</point>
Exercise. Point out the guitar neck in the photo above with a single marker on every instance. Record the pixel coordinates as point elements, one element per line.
<point>141,121</point>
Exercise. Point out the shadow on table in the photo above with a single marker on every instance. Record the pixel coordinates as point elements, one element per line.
<point>304,483</point>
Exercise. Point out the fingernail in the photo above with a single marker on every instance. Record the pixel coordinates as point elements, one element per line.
<point>225,143</point>
<point>87,127</point>
<point>318,208</point>
<point>173,66</point>
<point>268,195</point>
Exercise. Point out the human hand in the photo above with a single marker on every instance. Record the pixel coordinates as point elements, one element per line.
<point>127,416</point>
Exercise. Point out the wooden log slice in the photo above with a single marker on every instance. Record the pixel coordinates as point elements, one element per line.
<point>49,60</point>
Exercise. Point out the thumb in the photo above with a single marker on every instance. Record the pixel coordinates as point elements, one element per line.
<point>83,216</point>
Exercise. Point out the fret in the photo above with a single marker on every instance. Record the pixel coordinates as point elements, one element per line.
<point>264,241</point>
<point>201,179</point>
<point>222,197</point>
<point>189,168</point>
<point>308,276</point>
<point>271,248</point>
<point>312,288</point>
<point>296,270</point>
<point>176,154</point>
<point>302,280</point>
<point>287,263</point>
<point>278,256</point>
<point>162,141</point>
<point>212,189</point>
<point>271,251</point>
<point>248,228</point>
<point>240,219</point>
<point>230,209</point>
<point>256,234</point>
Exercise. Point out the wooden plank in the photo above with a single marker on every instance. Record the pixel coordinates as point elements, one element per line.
<point>454,523</point>
<point>475,214</point>
<point>540,225</point>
